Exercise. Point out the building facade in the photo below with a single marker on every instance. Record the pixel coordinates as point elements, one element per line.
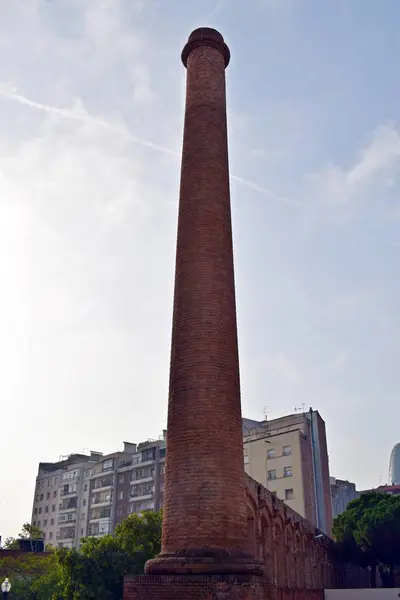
<point>60,500</point>
<point>88,495</point>
<point>140,480</point>
<point>394,466</point>
<point>289,456</point>
<point>342,492</point>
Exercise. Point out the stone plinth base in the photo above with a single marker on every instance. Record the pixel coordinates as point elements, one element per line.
<point>196,587</point>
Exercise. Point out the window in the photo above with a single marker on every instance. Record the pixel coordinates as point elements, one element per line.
<point>162,469</point>
<point>37,498</point>
<point>272,474</point>
<point>51,521</point>
<point>120,495</point>
<point>287,472</point>
<point>85,487</point>
<point>84,502</point>
<point>82,531</point>
<point>50,535</point>
<point>55,494</point>
<point>108,465</point>
<point>45,523</point>
<point>41,497</point>
<point>119,511</point>
<point>38,523</point>
<point>83,516</point>
<point>53,508</point>
<point>121,478</point>
<point>40,510</point>
<point>35,511</point>
<point>286,450</point>
<point>48,483</point>
<point>271,452</point>
<point>289,494</point>
<point>46,509</point>
<point>34,523</point>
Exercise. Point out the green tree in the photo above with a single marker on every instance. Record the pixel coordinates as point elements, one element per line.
<point>28,531</point>
<point>97,569</point>
<point>368,534</point>
<point>33,576</point>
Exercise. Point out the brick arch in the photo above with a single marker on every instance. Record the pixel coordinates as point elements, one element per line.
<point>280,566</point>
<point>251,511</point>
<point>290,548</point>
<point>267,541</point>
<point>299,559</point>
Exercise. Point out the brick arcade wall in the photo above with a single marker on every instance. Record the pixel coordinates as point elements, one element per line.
<point>295,563</point>
<point>285,543</point>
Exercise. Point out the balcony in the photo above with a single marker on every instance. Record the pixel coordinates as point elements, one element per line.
<point>102,484</point>
<point>66,521</point>
<point>71,493</point>
<point>99,502</point>
<point>69,505</point>
<point>142,496</point>
<point>144,479</point>
<point>66,534</point>
<point>101,515</point>
<point>99,533</point>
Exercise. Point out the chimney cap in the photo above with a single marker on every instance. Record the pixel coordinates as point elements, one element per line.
<point>206,36</point>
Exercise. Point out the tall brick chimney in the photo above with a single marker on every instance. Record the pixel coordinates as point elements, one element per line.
<point>205,522</point>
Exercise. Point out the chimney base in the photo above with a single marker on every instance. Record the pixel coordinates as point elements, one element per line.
<point>197,587</point>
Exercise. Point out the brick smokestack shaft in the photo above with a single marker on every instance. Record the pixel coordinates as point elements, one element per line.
<point>204,496</point>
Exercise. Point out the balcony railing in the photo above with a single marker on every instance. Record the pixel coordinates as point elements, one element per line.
<point>101,501</point>
<point>143,479</point>
<point>103,483</point>
<point>94,516</point>
<point>66,521</point>
<point>68,493</point>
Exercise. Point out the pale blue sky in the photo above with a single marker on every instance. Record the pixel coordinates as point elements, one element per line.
<point>91,106</point>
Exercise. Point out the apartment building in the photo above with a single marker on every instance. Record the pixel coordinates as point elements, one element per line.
<point>289,456</point>
<point>342,493</point>
<point>60,499</point>
<point>140,481</point>
<point>87,495</point>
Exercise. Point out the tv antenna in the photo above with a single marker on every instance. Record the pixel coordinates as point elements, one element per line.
<point>265,410</point>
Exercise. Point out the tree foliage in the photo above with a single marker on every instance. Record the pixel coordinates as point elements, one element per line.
<point>28,531</point>
<point>33,576</point>
<point>368,534</point>
<point>97,569</point>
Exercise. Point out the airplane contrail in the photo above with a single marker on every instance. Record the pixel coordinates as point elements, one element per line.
<point>79,113</point>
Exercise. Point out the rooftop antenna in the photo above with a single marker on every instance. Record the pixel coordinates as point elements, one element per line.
<point>265,413</point>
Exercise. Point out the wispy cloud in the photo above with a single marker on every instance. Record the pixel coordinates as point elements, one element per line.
<point>378,162</point>
<point>79,113</point>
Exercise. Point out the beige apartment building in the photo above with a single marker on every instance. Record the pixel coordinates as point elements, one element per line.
<point>289,457</point>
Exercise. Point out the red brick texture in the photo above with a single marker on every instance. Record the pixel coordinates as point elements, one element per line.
<point>190,587</point>
<point>204,494</point>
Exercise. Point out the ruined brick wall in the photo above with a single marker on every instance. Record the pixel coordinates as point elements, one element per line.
<point>285,543</point>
